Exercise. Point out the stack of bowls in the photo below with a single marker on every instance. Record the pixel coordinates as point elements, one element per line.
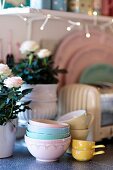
<point>47,140</point>
<point>79,122</point>
<point>85,150</point>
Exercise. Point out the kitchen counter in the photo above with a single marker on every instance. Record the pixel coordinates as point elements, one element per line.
<point>23,160</point>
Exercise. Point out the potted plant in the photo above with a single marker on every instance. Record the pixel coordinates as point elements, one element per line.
<point>38,71</point>
<point>10,106</point>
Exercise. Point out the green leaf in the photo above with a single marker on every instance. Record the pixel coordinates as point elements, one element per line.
<point>26,91</point>
<point>34,73</point>
<point>26,103</point>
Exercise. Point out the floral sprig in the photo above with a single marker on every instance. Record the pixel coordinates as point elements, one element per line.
<point>37,67</point>
<point>11,95</point>
<point>4,71</point>
<point>28,46</point>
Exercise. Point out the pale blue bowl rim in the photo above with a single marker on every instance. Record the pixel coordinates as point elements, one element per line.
<point>47,129</point>
<point>34,135</point>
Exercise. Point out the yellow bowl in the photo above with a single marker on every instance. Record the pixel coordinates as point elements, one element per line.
<point>78,119</point>
<point>85,155</point>
<point>79,134</point>
<point>85,145</point>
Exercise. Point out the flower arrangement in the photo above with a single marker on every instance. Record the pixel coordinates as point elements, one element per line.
<point>10,95</point>
<point>37,67</point>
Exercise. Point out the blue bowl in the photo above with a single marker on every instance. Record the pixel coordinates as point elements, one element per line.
<point>43,136</point>
<point>48,130</point>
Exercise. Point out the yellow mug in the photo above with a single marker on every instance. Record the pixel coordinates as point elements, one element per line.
<point>85,145</point>
<point>85,155</point>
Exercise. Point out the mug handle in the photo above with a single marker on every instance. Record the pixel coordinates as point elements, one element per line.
<point>98,153</point>
<point>98,146</point>
<point>91,119</point>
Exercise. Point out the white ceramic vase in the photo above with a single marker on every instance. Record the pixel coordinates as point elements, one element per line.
<point>44,102</point>
<point>7,138</point>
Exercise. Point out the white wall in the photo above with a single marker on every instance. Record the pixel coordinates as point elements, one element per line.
<point>18,28</point>
<point>54,30</point>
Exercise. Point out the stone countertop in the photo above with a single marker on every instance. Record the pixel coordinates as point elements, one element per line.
<point>23,160</point>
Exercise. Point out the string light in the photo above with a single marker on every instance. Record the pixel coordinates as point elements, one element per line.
<point>77,23</point>
<point>45,22</point>
<point>23,18</point>
<point>70,27</point>
<point>48,15</point>
<point>95,13</point>
<point>73,24</point>
<point>41,28</point>
<point>96,18</point>
<point>88,35</point>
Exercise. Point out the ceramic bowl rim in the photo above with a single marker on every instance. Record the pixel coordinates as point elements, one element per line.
<point>84,141</point>
<point>79,130</point>
<point>56,141</point>
<point>69,116</point>
<point>37,129</point>
<point>51,123</point>
<point>34,135</point>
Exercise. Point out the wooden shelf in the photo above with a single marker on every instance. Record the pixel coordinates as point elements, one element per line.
<point>29,12</point>
<point>37,13</point>
<point>76,16</point>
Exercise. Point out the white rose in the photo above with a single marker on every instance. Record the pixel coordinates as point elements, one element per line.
<point>11,82</point>
<point>44,53</point>
<point>28,46</point>
<point>4,70</point>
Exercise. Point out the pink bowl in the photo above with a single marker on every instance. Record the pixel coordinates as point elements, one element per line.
<point>47,150</point>
<point>47,123</point>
